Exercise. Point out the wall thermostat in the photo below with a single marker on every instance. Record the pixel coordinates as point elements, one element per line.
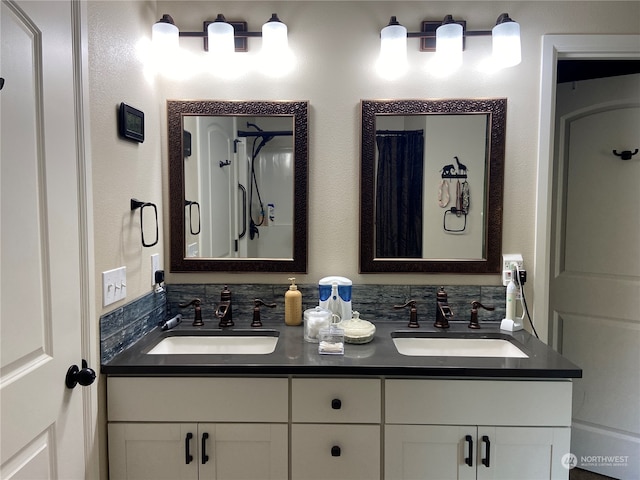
<point>131,123</point>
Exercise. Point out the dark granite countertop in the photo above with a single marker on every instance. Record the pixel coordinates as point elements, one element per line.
<point>294,356</point>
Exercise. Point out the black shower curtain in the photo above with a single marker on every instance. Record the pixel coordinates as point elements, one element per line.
<point>399,194</point>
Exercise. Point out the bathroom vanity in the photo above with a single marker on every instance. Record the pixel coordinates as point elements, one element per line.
<point>370,414</point>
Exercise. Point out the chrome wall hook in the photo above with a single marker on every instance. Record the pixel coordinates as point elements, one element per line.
<point>626,154</point>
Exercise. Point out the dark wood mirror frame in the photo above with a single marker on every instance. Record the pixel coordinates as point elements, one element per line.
<point>176,110</point>
<point>494,184</point>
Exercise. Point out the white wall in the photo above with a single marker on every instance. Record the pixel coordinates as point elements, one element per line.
<point>122,169</point>
<point>336,45</point>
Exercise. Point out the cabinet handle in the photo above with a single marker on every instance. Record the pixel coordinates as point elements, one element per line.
<point>335,451</point>
<point>187,456</point>
<point>485,461</point>
<point>469,459</point>
<point>336,404</point>
<point>205,457</point>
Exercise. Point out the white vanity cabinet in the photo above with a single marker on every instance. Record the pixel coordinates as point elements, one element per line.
<point>476,429</point>
<point>335,429</point>
<point>318,428</point>
<point>198,428</point>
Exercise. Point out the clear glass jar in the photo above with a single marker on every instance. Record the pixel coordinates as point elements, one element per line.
<point>315,319</point>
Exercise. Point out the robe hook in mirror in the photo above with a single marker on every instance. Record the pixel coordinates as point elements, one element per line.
<point>626,154</point>
<point>135,204</point>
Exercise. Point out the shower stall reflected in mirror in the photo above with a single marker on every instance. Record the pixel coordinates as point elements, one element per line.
<point>239,172</point>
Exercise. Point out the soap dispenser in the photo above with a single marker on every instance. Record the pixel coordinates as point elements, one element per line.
<point>293,304</point>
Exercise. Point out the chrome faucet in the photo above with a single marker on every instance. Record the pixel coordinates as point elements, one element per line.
<point>224,311</point>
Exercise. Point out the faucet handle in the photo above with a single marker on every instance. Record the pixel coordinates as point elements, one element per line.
<point>256,311</point>
<point>197,319</point>
<point>413,313</point>
<point>473,322</point>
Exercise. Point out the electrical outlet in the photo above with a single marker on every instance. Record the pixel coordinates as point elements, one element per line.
<point>114,285</point>
<point>510,261</point>
<point>155,266</point>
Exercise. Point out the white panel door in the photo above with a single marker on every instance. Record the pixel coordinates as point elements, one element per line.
<point>525,453</point>
<point>243,451</point>
<point>42,420</point>
<point>430,452</point>
<point>595,289</point>
<point>153,451</point>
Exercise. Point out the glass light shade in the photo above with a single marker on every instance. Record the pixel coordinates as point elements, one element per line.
<point>274,37</point>
<point>392,62</point>
<point>449,44</point>
<point>393,43</point>
<point>506,44</point>
<point>221,38</point>
<point>165,36</point>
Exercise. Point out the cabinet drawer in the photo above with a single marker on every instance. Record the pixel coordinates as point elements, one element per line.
<point>345,452</point>
<point>333,400</point>
<point>478,402</point>
<point>197,399</point>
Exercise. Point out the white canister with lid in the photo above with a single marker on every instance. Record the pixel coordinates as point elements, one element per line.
<point>315,319</point>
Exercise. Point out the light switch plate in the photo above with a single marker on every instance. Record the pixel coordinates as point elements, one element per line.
<point>114,285</point>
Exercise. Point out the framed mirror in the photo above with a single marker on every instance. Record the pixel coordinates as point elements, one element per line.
<point>431,185</point>
<point>238,185</point>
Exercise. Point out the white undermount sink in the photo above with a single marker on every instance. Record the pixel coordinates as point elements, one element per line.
<point>216,345</point>
<point>423,346</point>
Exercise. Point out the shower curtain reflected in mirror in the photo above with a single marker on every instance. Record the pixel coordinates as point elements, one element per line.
<point>399,194</point>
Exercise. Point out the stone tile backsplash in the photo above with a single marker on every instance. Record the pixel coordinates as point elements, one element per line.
<point>122,327</point>
<point>374,302</point>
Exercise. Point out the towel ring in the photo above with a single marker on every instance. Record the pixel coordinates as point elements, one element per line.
<point>135,204</point>
<point>190,204</point>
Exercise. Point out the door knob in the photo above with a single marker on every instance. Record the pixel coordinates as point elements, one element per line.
<point>84,376</point>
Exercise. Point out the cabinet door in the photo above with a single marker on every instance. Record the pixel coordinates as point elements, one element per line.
<point>153,451</point>
<point>336,451</point>
<point>243,451</point>
<point>526,453</point>
<point>426,452</point>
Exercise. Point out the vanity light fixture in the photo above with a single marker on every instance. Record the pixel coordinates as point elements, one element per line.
<point>449,43</point>
<point>447,39</point>
<point>219,35</point>
<point>393,50</point>
<point>505,37</point>
<point>165,34</point>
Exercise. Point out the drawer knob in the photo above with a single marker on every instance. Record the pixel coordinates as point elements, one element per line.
<point>336,404</point>
<point>335,451</point>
